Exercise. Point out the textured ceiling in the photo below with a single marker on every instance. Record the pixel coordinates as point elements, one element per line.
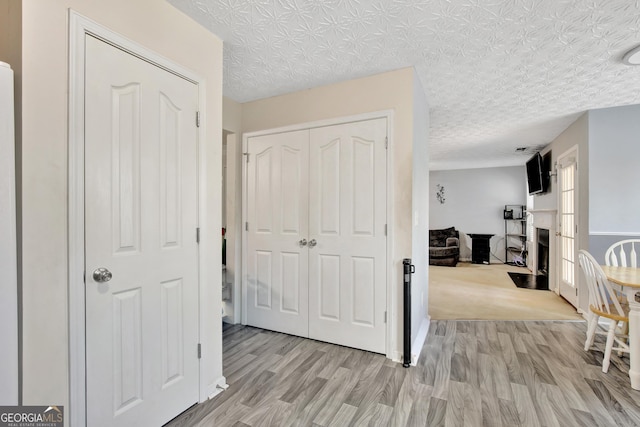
<point>497,74</point>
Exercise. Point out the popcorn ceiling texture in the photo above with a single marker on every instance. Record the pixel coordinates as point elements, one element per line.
<point>498,74</point>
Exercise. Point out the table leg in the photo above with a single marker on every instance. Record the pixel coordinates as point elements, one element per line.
<point>634,341</point>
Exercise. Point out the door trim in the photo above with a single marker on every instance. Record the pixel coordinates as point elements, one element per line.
<point>79,28</point>
<point>391,338</point>
<point>571,152</point>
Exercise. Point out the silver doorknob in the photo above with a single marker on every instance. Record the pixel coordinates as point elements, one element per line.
<point>312,243</point>
<point>102,275</point>
<point>303,242</point>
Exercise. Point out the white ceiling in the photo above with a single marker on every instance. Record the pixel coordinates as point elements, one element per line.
<point>498,74</point>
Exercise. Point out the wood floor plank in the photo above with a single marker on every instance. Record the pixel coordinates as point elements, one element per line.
<point>391,390</point>
<point>563,377</point>
<point>374,415</point>
<point>524,405</point>
<point>613,407</point>
<point>344,416</point>
<point>509,413</point>
<point>404,402</point>
<point>420,407</point>
<point>509,356</point>
<point>333,404</point>
<point>229,417</point>
<point>365,383</point>
<point>470,373</point>
<point>299,379</point>
<point>304,399</point>
<point>596,408</point>
<point>374,392</point>
<point>437,412</point>
<point>561,410</point>
<point>268,415</point>
<point>454,415</point>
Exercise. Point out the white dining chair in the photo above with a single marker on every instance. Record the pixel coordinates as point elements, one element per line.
<point>623,253</point>
<point>603,302</point>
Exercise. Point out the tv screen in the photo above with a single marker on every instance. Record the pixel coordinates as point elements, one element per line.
<point>535,177</point>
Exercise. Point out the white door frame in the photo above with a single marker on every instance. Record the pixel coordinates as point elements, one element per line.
<point>392,274</point>
<point>557,239</point>
<point>79,28</point>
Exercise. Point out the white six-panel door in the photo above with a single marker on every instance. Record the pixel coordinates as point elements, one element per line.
<point>141,218</point>
<point>316,211</point>
<point>347,216</point>
<point>277,292</point>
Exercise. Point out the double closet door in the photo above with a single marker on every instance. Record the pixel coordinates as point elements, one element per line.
<point>316,238</point>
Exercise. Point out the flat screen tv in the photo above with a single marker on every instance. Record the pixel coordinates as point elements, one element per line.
<point>535,175</point>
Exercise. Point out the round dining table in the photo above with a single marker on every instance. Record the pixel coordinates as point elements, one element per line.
<point>627,280</point>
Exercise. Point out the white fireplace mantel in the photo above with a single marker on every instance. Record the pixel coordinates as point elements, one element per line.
<point>544,218</point>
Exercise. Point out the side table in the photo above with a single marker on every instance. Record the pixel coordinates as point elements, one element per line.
<point>480,249</point>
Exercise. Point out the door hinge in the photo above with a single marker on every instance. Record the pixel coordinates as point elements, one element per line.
<point>84,277</point>
<point>198,235</point>
<point>199,351</point>
<point>385,229</point>
<point>386,142</point>
<point>385,317</point>
<point>246,154</point>
<point>246,226</point>
<point>197,119</point>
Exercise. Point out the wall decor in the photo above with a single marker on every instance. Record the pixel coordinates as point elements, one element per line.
<point>440,193</point>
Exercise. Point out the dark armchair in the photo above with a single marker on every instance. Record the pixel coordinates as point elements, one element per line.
<point>444,247</point>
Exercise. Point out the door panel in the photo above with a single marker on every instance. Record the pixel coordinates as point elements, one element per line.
<point>329,181</point>
<point>329,287</point>
<point>140,224</point>
<point>125,173</point>
<point>363,303</point>
<point>347,216</point>
<point>278,206</point>
<point>364,187</point>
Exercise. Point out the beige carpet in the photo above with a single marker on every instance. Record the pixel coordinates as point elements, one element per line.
<point>486,292</point>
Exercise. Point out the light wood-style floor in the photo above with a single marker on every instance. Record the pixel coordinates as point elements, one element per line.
<point>470,373</point>
<point>486,292</point>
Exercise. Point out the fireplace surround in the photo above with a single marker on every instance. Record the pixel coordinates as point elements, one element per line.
<point>541,259</point>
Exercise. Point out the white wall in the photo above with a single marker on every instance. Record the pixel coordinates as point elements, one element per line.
<point>232,125</point>
<point>420,229</point>
<point>576,135</point>
<point>614,176</point>
<point>163,29</point>
<point>474,202</point>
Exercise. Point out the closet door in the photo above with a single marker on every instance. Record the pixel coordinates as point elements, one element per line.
<point>347,249</point>
<point>278,214</point>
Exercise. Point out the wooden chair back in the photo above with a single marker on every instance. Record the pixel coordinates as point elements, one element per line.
<point>601,295</point>
<point>623,253</point>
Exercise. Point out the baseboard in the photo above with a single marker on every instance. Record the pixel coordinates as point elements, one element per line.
<point>418,343</point>
<point>217,387</point>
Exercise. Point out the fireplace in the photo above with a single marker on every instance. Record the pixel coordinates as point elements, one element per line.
<point>542,269</point>
<point>542,246</point>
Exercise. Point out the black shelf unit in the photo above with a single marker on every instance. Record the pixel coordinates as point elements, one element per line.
<point>515,234</point>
